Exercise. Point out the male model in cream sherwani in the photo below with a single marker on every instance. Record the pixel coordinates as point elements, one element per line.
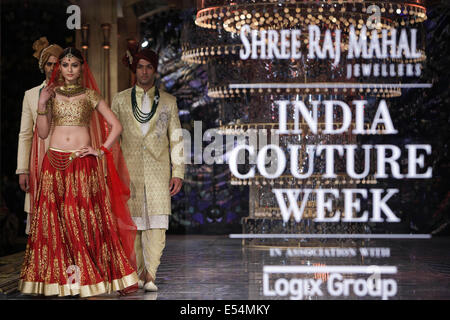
<point>152,148</point>
<point>48,56</point>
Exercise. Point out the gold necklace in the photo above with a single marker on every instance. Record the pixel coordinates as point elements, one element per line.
<point>70,90</point>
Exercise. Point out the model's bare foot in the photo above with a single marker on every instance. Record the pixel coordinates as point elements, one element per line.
<point>128,290</point>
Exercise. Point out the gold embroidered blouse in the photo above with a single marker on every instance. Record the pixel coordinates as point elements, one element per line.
<point>76,112</point>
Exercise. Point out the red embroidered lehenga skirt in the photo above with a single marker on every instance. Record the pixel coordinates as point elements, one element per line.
<point>73,246</point>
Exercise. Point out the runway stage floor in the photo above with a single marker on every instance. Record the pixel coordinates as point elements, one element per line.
<point>216,267</point>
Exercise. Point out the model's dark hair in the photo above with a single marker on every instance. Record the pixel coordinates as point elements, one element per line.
<point>74,51</point>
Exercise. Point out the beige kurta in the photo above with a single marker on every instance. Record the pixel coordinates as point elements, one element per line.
<point>152,159</point>
<point>27,123</point>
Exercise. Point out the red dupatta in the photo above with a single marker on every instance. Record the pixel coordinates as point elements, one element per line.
<point>116,175</point>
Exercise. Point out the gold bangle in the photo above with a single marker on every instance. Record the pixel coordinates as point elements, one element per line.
<point>100,153</point>
<point>42,113</point>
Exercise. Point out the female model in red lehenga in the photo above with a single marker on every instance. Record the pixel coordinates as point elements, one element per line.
<point>82,236</point>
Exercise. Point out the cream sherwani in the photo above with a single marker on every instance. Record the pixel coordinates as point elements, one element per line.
<point>148,157</point>
<point>153,153</point>
<point>27,123</point>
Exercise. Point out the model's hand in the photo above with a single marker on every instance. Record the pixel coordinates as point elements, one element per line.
<point>46,93</point>
<point>175,186</point>
<point>24,182</point>
<point>86,151</point>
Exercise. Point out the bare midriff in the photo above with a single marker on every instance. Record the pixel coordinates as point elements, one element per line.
<point>70,138</point>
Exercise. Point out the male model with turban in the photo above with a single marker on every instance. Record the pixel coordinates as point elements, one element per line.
<point>47,55</point>
<point>152,146</point>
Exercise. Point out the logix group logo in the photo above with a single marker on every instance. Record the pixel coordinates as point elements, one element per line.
<point>339,283</point>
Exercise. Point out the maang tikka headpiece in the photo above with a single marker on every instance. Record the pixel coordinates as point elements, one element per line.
<point>69,55</point>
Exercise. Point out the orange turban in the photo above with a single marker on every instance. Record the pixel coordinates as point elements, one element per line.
<point>43,50</point>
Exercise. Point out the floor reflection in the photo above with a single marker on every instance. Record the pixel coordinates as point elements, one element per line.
<point>216,267</point>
